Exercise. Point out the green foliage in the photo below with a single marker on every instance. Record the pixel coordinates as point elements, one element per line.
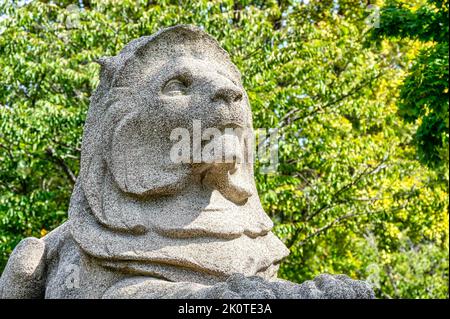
<point>349,195</point>
<point>424,97</point>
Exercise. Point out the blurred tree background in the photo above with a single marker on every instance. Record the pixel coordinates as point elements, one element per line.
<point>358,91</point>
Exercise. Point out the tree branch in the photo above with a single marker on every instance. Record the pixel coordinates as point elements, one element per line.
<point>367,171</point>
<point>58,160</point>
<point>8,150</point>
<point>343,218</point>
<point>287,119</point>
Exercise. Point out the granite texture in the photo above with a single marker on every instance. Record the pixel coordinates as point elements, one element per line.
<point>142,225</point>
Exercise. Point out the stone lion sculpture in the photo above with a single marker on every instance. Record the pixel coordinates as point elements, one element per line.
<point>143,226</point>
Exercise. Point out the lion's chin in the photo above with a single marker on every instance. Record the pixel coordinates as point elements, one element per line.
<point>167,256</point>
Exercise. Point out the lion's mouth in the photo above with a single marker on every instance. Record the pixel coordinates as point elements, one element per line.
<point>223,167</point>
<point>229,181</point>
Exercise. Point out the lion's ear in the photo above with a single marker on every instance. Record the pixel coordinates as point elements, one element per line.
<point>107,70</point>
<point>103,61</point>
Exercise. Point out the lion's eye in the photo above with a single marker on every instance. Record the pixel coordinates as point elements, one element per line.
<point>175,87</point>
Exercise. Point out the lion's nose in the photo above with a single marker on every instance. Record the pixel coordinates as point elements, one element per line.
<point>229,94</point>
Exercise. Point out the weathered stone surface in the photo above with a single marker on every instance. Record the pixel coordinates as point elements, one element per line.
<point>142,225</point>
<point>238,286</point>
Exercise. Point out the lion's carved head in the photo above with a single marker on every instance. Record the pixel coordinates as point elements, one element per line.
<point>129,183</point>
